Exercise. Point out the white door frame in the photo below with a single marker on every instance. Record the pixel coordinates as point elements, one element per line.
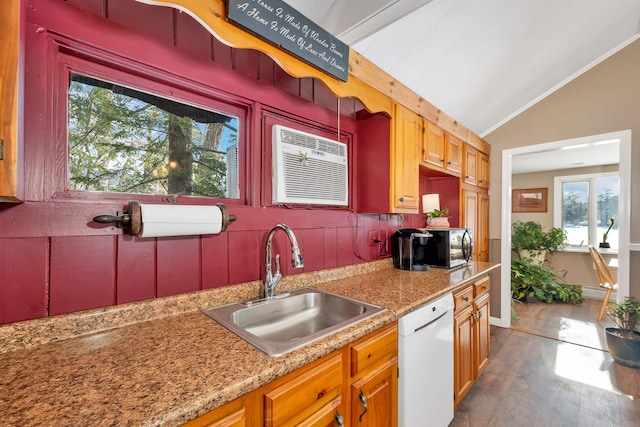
<point>624,204</point>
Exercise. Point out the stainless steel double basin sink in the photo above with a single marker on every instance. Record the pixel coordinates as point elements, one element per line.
<point>289,321</point>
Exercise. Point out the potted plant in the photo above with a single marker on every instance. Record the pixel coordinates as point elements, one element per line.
<point>530,240</point>
<point>624,342</point>
<point>604,243</point>
<point>438,218</point>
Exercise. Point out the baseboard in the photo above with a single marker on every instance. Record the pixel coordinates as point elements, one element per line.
<point>597,294</point>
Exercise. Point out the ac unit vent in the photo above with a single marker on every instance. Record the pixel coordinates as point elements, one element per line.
<point>309,169</point>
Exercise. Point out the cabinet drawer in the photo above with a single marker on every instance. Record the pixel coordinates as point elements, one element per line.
<point>293,401</point>
<point>481,287</point>
<point>463,298</point>
<point>382,346</point>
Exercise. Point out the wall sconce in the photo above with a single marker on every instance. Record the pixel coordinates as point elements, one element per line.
<point>145,220</point>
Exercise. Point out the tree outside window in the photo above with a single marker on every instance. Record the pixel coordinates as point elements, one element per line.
<point>127,141</point>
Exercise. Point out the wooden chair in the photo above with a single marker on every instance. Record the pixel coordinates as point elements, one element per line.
<point>607,281</point>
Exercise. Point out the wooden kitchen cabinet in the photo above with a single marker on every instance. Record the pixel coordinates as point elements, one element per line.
<point>407,138</point>
<point>475,215</point>
<point>441,151</point>
<point>310,397</point>
<point>374,379</point>
<point>470,165</point>
<point>483,170</point>
<point>471,336</point>
<point>241,412</point>
<point>327,392</point>
<point>388,164</point>
<point>9,96</point>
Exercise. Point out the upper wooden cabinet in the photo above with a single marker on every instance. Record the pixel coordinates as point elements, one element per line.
<point>441,150</point>
<point>407,138</point>
<point>470,165</point>
<point>483,170</point>
<point>9,58</point>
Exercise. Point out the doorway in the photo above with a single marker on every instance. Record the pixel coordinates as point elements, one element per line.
<point>624,203</point>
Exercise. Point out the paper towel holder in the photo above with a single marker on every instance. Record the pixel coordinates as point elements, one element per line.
<point>132,218</point>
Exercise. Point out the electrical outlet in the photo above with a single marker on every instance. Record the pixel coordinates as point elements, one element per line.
<point>373,236</point>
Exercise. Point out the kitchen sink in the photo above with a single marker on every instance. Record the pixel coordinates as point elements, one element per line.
<point>289,321</point>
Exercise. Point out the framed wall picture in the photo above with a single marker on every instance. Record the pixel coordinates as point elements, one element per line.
<point>529,200</point>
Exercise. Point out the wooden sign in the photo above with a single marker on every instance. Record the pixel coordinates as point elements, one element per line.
<point>285,27</point>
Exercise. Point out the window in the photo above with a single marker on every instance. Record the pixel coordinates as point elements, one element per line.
<point>124,140</point>
<point>584,206</point>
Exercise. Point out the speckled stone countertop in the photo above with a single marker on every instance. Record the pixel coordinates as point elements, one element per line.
<point>164,362</point>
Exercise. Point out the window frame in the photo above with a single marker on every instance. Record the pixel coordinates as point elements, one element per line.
<point>558,181</point>
<point>148,79</point>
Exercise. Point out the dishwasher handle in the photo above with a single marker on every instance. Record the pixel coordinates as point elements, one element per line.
<point>429,323</point>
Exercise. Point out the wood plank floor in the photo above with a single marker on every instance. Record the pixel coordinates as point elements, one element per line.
<point>535,379</point>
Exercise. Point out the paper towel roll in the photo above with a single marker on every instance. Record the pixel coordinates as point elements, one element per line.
<point>179,220</point>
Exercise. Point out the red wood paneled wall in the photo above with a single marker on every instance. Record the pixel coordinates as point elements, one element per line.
<point>54,259</point>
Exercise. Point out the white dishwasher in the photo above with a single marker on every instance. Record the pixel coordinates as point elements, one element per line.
<point>425,363</point>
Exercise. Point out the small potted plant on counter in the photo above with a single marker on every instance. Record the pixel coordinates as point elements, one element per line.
<point>604,244</point>
<point>624,342</point>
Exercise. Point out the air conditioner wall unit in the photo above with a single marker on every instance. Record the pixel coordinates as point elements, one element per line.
<point>308,169</point>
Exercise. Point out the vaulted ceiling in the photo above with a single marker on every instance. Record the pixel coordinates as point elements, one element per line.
<point>480,61</point>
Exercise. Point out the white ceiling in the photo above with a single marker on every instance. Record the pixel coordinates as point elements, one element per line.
<point>480,61</point>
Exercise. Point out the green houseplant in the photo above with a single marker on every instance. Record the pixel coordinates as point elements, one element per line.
<point>624,342</point>
<point>530,240</point>
<point>529,280</point>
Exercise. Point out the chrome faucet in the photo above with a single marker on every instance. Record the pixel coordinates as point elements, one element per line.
<point>271,280</point>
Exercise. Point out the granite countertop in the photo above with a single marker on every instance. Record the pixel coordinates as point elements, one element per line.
<point>165,362</point>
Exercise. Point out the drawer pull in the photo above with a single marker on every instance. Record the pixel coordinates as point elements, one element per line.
<point>339,419</point>
<point>365,405</point>
<point>466,299</point>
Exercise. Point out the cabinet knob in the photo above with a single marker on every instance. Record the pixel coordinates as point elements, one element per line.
<point>466,299</point>
<point>449,162</point>
<point>401,199</point>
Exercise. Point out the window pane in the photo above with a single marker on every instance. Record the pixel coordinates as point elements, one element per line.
<point>575,212</point>
<point>124,140</point>
<point>607,199</point>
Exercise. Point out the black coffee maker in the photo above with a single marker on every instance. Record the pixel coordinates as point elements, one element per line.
<point>408,247</point>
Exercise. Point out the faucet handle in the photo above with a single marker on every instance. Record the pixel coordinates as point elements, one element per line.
<point>277,263</point>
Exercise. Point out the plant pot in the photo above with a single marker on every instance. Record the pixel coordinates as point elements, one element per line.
<point>531,299</point>
<point>440,221</point>
<point>604,245</point>
<point>625,351</point>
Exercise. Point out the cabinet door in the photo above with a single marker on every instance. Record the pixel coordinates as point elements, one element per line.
<point>310,395</point>
<point>10,18</point>
<point>453,154</point>
<point>237,413</point>
<point>405,160</point>
<point>483,170</point>
<point>463,353</point>
<point>470,217</point>
<point>482,226</point>
<point>482,341</point>
<point>374,398</point>
<point>470,164</point>
<point>433,151</point>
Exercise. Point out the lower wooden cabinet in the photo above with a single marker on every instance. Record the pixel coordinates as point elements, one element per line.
<point>354,386</point>
<point>311,396</point>
<point>241,412</point>
<point>471,336</point>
